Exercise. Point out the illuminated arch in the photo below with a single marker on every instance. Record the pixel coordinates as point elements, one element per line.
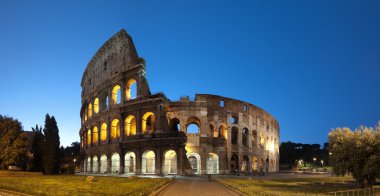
<point>222,132</point>
<point>175,124</point>
<point>95,164</point>
<point>88,164</point>
<point>170,162</point>
<point>255,164</point>
<point>95,135</point>
<point>85,115</point>
<point>89,136</point>
<point>115,129</point>
<point>131,91</point>
<point>245,164</point>
<point>116,98</point>
<point>130,125</point>
<point>89,110</point>
<point>103,164</point>
<point>130,162</point>
<point>148,122</point>
<point>195,162</point>
<point>96,105</point>
<point>115,163</point>
<point>148,162</point>
<point>212,163</point>
<point>103,132</point>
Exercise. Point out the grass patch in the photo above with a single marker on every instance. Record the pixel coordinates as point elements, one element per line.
<point>35,184</point>
<point>291,186</point>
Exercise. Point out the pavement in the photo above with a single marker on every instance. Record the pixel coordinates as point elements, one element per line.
<point>197,186</point>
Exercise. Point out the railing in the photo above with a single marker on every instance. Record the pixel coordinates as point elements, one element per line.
<point>251,190</point>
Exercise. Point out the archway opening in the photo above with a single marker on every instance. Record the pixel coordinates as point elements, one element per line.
<point>103,164</point>
<point>115,129</point>
<point>89,136</point>
<point>175,125</point>
<point>212,163</point>
<point>131,91</point>
<point>88,164</point>
<point>234,164</point>
<point>195,162</point>
<point>254,139</point>
<point>234,135</point>
<point>170,162</point>
<point>116,96</point>
<point>130,125</point>
<point>95,135</point>
<point>222,132</point>
<point>103,132</point>
<point>148,122</point>
<point>89,110</point>
<point>255,164</point>
<point>130,163</point>
<point>193,125</point>
<point>96,105</point>
<point>115,163</point>
<point>245,137</point>
<point>95,164</point>
<point>245,164</point>
<point>148,162</point>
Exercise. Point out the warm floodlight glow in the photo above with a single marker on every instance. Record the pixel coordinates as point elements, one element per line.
<point>130,125</point>
<point>96,105</point>
<point>115,129</point>
<point>103,132</point>
<point>95,135</point>
<point>148,122</point>
<point>131,86</point>
<point>116,95</point>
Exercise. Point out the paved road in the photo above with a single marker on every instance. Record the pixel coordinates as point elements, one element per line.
<point>186,186</point>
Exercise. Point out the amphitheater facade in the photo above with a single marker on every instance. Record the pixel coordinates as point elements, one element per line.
<point>128,130</point>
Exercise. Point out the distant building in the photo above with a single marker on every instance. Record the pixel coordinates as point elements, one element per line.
<point>128,130</point>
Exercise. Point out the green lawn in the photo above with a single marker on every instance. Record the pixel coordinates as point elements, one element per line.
<point>36,184</point>
<point>290,186</point>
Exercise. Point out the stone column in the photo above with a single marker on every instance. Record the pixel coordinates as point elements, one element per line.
<point>122,161</point>
<point>138,161</point>
<point>109,130</point>
<point>158,162</point>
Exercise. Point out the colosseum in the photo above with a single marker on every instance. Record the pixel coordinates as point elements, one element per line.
<point>126,129</point>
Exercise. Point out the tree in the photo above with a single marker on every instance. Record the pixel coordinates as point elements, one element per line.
<point>13,142</point>
<point>51,159</point>
<point>356,152</point>
<point>37,149</point>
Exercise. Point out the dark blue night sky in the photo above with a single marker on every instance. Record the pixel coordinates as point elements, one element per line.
<point>314,65</point>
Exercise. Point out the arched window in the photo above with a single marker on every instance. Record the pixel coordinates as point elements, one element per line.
<point>213,131</point>
<point>95,164</point>
<point>115,129</point>
<point>131,91</point>
<point>103,164</point>
<point>193,125</point>
<point>245,137</point>
<point>148,122</point>
<point>103,132</point>
<point>130,125</point>
<point>175,124</point>
<point>85,115</point>
<point>130,162</point>
<point>95,135</point>
<point>170,162</point>
<point>234,135</point>
<point>96,105</point>
<point>89,110</point>
<point>254,139</point>
<point>234,120</point>
<point>116,97</point>
<point>222,132</point>
<point>212,163</point>
<point>148,162</point>
<point>89,136</point>
<point>115,163</point>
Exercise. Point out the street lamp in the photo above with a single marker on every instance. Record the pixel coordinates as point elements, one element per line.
<point>322,162</point>
<point>314,159</point>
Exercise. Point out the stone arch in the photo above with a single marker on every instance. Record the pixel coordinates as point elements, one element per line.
<point>245,164</point>
<point>222,131</point>
<point>131,89</point>
<point>96,105</point>
<point>148,165</point>
<point>245,136</point>
<point>95,164</point>
<point>95,135</point>
<point>130,163</point>
<point>234,135</point>
<point>115,129</point>
<point>89,136</point>
<point>234,164</point>
<point>213,131</point>
<point>170,162</point>
<point>103,164</point>
<point>130,125</point>
<point>175,124</point>
<point>254,139</point>
<point>212,164</point>
<point>148,122</point>
<point>88,164</point>
<point>116,95</point>
<point>89,110</point>
<point>234,119</point>
<point>255,164</point>
<point>195,162</point>
<point>103,132</point>
<point>115,163</point>
<point>193,125</point>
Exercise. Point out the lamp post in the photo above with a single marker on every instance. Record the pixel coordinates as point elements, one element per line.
<point>322,162</point>
<point>314,159</point>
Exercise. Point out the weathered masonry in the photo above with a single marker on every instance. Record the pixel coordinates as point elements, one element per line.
<point>128,130</point>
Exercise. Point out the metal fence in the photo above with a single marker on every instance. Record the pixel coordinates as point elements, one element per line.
<point>250,190</point>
